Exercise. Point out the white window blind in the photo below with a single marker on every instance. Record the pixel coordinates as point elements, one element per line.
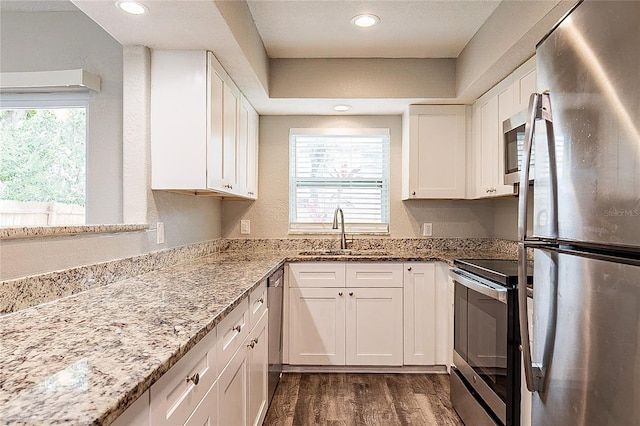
<point>339,167</point>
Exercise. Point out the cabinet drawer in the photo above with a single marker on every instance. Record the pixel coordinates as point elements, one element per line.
<point>173,397</point>
<point>317,274</point>
<point>257,303</point>
<point>366,275</point>
<point>232,331</point>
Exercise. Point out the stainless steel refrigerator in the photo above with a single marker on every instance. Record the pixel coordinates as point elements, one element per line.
<point>584,125</point>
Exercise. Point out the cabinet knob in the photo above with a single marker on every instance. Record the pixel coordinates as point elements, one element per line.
<point>339,293</point>
<point>488,190</point>
<point>237,328</point>
<point>251,345</point>
<point>413,193</point>
<point>195,379</point>
<point>261,300</point>
<point>409,268</point>
<point>350,293</point>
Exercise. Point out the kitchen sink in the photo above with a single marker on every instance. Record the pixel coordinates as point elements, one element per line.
<point>343,253</point>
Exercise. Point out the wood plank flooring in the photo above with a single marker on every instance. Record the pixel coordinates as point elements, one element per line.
<point>340,399</point>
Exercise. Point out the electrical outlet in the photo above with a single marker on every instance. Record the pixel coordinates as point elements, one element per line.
<point>160,232</point>
<point>427,229</point>
<point>245,227</point>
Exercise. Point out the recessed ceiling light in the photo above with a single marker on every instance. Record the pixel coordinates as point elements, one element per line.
<point>365,20</point>
<point>342,107</point>
<point>132,7</point>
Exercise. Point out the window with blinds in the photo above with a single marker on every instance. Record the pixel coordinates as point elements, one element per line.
<point>348,168</point>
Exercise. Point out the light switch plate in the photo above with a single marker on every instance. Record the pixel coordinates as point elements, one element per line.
<point>245,227</point>
<point>160,232</point>
<point>427,229</point>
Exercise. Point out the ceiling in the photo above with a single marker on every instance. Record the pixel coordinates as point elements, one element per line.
<point>407,29</point>
<point>301,57</point>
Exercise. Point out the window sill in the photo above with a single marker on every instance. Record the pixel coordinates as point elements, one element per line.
<point>10,233</point>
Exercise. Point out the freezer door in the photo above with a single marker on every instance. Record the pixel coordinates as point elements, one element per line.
<point>590,65</point>
<point>587,338</point>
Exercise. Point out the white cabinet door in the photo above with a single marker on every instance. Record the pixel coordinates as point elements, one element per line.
<point>242,146</point>
<point>232,391</point>
<point>258,364</point>
<point>374,324</point>
<point>317,326</point>
<point>252,154</point>
<point>419,313</point>
<point>426,314</point>
<point>206,414</point>
<point>215,124</point>
<point>434,152</point>
<point>524,84</point>
<point>230,138</point>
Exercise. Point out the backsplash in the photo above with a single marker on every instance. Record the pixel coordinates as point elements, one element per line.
<point>29,291</point>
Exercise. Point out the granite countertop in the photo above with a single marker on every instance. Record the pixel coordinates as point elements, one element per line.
<point>85,358</point>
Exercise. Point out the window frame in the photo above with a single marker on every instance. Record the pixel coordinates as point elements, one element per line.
<point>302,228</point>
<point>57,99</point>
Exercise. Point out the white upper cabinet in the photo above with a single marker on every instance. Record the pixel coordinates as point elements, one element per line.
<point>504,100</point>
<point>433,152</point>
<point>203,131</point>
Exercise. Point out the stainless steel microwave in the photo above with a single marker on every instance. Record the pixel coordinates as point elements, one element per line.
<point>513,140</point>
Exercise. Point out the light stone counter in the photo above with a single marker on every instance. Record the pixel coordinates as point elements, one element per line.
<point>85,358</point>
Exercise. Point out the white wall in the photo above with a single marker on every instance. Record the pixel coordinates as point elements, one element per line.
<point>269,214</point>
<point>187,219</point>
<point>43,41</point>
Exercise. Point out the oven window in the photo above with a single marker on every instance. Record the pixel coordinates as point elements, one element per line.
<point>460,320</point>
<point>487,340</point>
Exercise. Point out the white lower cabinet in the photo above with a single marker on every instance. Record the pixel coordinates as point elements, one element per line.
<point>317,326</point>
<point>242,398</point>
<point>427,327</point>
<point>345,324</point>
<point>221,381</point>
<point>373,326</point>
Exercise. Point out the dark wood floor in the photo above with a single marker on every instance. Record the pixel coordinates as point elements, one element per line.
<point>362,399</point>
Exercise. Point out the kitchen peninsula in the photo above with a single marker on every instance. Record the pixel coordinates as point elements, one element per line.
<point>85,358</point>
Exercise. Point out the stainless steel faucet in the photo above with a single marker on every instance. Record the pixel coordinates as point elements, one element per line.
<point>343,238</point>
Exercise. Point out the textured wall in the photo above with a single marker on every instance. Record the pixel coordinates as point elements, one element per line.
<point>269,215</point>
<point>44,41</point>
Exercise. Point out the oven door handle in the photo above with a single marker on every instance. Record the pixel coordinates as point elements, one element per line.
<point>499,294</point>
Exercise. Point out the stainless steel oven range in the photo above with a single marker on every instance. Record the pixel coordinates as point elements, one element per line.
<point>485,382</point>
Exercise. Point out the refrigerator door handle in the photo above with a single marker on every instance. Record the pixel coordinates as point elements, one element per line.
<point>533,372</point>
<point>539,109</point>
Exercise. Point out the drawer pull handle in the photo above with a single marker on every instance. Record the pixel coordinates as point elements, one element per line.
<point>237,328</point>
<point>253,343</point>
<point>261,300</point>
<point>339,293</point>
<point>350,293</point>
<point>409,269</point>
<point>195,379</point>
